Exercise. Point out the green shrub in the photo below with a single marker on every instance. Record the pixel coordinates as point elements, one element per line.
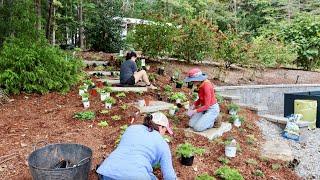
<point>233,107</point>
<point>228,173</point>
<point>36,67</point>
<point>204,176</point>
<point>188,150</point>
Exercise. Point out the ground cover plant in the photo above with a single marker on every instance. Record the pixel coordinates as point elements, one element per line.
<point>226,173</point>
<point>85,115</point>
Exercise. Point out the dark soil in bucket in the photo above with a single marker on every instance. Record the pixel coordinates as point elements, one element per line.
<point>187,161</point>
<point>179,85</point>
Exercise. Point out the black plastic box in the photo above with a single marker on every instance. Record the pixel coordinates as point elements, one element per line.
<point>289,102</point>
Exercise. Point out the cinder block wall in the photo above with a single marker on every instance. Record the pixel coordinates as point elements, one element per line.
<point>271,96</point>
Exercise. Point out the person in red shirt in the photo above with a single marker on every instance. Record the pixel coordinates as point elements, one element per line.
<point>205,110</point>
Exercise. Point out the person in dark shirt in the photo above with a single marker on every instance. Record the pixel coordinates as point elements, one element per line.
<point>129,74</point>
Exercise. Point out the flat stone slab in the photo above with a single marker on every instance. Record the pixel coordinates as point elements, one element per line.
<point>278,150</point>
<point>283,120</point>
<point>105,73</point>
<point>155,106</point>
<point>213,132</point>
<point>110,81</point>
<point>259,109</point>
<point>98,63</point>
<point>129,89</point>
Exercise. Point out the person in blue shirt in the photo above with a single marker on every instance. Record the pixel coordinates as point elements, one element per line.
<point>140,148</point>
<point>129,74</point>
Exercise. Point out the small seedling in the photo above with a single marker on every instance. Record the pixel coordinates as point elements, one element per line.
<point>99,68</point>
<point>152,77</point>
<point>116,117</point>
<point>120,95</point>
<point>226,172</point>
<point>86,115</point>
<point>276,167</point>
<point>110,100</point>
<point>103,124</point>
<point>223,160</point>
<point>220,99</point>
<point>104,111</point>
<point>251,139</point>
<point>251,162</point>
<point>168,89</point>
<point>233,107</point>
<point>187,150</point>
<point>204,176</point>
<point>250,126</point>
<point>178,95</point>
<point>124,107</point>
<point>264,159</point>
<point>258,173</point>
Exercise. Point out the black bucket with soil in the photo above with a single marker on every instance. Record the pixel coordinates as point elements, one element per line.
<point>60,161</point>
<point>187,161</point>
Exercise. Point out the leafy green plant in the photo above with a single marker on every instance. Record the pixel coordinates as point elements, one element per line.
<point>122,130</point>
<point>116,117</point>
<point>35,66</point>
<point>85,95</point>
<point>235,117</point>
<point>88,82</point>
<point>110,100</point>
<point>104,111</point>
<point>223,160</point>
<point>107,89</point>
<point>195,96</point>
<point>251,161</point>
<point>204,176</point>
<point>276,166</point>
<point>258,173</point>
<point>120,95</point>
<point>251,139</point>
<point>178,95</point>
<point>103,124</point>
<point>188,150</point>
<point>86,115</point>
<point>168,88</point>
<point>233,107</point>
<point>99,68</point>
<point>228,173</point>
<point>220,99</point>
<point>124,107</point>
<point>152,77</point>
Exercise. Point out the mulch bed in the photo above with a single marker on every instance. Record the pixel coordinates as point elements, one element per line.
<point>32,118</point>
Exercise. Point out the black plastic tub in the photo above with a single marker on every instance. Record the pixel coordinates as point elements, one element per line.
<point>289,99</point>
<point>187,161</point>
<point>179,85</point>
<point>60,161</point>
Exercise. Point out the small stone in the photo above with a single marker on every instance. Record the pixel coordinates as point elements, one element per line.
<point>104,146</point>
<point>195,169</point>
<point>23,135</point>
<point>23,145</point>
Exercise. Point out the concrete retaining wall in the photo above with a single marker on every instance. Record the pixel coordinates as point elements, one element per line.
<point>271,96</point>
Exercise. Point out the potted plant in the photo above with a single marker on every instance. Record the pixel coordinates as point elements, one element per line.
<point>104,93</point>
<point>86,103</point>
<point>195,96</point>
<point>178,97</point>
<point>233,109</point>
<point>173,110</point>
<point>161,70</point>
<point>82,90</point>
<point>186,152</point>
<point>85,96</point>
<point>236,120</point>
<point>190,85</point>
<point>89,83</point>
<point>230,148</point>
<point>179,84</point>
<point>109,102</point>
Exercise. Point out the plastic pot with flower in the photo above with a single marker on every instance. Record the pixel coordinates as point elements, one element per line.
<point>86,103</point>
<point>85,97</point>
<point>89,83</point>
<point>236,120</point>
<point>178,97</point>
<point>186,152</point>
<point>105,93</point>
<point>173,110</point>
<point>109,102</point>
<point>179,84</point>
<point>82,90</point>
<point>233,108</point>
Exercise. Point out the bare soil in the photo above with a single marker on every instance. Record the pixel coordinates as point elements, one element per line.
<point>33,118</point>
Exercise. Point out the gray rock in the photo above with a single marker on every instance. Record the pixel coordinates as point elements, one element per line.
<point>213,132</point>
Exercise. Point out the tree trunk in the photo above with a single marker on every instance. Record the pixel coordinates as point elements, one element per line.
<point>49,20</point>
<point>38,13</point>
<point>81,30</point>
<point>54,27</point>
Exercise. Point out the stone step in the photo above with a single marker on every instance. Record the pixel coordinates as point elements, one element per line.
<point>105,73</point>
<point>129,89</point>
<point>234,99</point>
<point>283,120</point>
<point>278,150</point>
<point>213,132</point>
<point>154,106</point>
<point>260,110</point>
<point>110,81</point>
<point>98,63</point>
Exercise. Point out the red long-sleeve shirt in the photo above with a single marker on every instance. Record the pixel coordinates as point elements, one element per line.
<point>206,95</point>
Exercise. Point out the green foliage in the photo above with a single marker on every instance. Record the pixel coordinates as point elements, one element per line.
<point>104,111</point>
<point>116,117</point>
<point>124,107</point>
<point>154,39</point>
<point>122,130</point>
<point>36,67</point>
<point>251,162</point>
<point>251,139</point>
<point>121,94</point>
<point>188,150</point>
<point>178,95</point>
<point>168,89</point>
<point>103,32</point>
<point>258,173</point>
<point>110,100</point>
<point>304,34</point>
<point>269,52</point>
<point>86,115</point>
<point>204,176</point>
<point>228,173</point>
<point>276,166</point>
<point>235,117</point>
<point>220,99</point>
<point>103,124</point>
<point>223,160</point>
<point>233,107</point>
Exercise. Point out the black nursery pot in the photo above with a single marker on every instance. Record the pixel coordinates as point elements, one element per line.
<point>187,161</point>
<point>190,85</point>
<point>179,85</point>
<point>161,71</point>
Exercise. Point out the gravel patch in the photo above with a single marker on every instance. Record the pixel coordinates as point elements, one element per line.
<point>307,150</point>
